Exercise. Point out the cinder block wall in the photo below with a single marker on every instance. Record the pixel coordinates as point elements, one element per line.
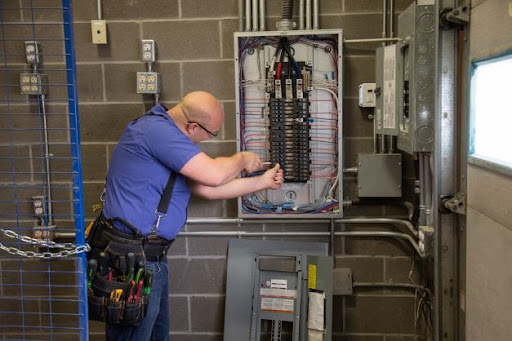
<point>195,52</point>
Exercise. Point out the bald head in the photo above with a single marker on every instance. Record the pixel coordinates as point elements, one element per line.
<point>201,106</point>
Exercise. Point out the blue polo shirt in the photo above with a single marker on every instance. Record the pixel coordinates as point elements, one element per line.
<point>139,169</point>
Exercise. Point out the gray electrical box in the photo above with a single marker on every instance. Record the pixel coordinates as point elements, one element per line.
<point>278,291</point>
<point>379,175</point>
<point>389,89</point>
<point>417,27</point>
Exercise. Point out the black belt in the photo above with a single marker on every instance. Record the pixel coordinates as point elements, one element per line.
<point>154,247</point>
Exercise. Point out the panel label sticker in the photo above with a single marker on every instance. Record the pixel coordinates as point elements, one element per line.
<point>278,283</point>
<point>278,300</point>
<point>389,91</point>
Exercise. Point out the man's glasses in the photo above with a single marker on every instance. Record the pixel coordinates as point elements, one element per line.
<point>199,124</point>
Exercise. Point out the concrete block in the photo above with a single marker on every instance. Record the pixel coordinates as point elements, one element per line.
<point>388,314</point>
<point>178,310</point>
<point>89,83</point>
<point>189,39</point>
<point>360,69</point>
<point>202,9</point>
<point>106,122</point>
<point>355,120</point>
<point>197,276</point>
<point>141,9</point>
<point>214,77</point>
<point>207,314</point>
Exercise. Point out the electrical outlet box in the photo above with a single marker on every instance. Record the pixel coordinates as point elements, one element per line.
<point>426,240</point>
<point>148,51</point>
<point>148,83</point>
<point>367,95</point>
<point>33,83</point>
<point>32,50</point>
<point>38,205</point>
<point>99,31</point>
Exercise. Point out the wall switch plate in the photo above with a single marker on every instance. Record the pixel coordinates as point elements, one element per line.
<point>148,51</point>
<point>99,31</point>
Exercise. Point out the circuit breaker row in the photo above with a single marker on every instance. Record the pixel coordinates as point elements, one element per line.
<point>289,137</point>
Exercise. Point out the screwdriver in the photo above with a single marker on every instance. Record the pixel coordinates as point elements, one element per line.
<point>131,265</point>
<point>91,270</point>
<point>148,280</point>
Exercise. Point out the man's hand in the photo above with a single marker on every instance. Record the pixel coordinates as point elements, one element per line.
<point>274,177</point>
<point>252,162</point>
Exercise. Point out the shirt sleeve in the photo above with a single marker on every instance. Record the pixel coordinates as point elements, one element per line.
<point>169,145</point>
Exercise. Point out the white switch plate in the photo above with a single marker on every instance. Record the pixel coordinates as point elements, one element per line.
<point>99,31</point>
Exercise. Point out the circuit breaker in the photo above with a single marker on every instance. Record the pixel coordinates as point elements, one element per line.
<point>278,291</point>
<point>289,112</point>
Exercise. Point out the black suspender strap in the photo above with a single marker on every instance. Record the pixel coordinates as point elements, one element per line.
<point>163,205</point>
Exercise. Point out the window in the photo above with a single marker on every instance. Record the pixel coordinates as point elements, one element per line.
<point>491,113</point>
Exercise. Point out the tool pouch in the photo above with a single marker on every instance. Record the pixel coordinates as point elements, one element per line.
<point>114,296</point>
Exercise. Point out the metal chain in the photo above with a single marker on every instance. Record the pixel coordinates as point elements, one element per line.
<point>69,249</point>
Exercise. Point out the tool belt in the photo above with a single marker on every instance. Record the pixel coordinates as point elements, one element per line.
<point>119,284</point>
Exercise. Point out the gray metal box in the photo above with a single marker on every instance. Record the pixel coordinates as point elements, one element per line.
<point>417,27</point>
<point>389,89</point>
<point>379,175</point>
<point>253,267</point>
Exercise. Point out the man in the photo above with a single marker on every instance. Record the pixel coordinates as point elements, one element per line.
<point>141,163</point>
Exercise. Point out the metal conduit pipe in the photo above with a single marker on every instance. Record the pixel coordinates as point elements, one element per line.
<point>350,170</point>
<point>47,156</point>
<point>421,206</point>
<point>383,143</point>
<point>428,190</point>
<point>384,17</point>
<point>301,14</point>
<point>391,13</point>
<point>385,285</point>
<point>247,15</point>
<point>241,234</point>
<point>308,14</point>
<point>391,285</point>
<point>356,220</point>
<point>255,9</point>
<point>315,14</point>
<point>240,15</point>
<point>239,221</point>
<point>262,15</point>
<point>370,40</point>
<point>287,9</point>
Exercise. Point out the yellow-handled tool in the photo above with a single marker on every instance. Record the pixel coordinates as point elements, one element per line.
<point>115,295</point>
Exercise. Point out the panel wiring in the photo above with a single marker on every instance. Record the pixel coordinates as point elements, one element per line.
<point>288,111</point>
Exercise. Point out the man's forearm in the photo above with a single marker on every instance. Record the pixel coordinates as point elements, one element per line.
<point>233,189</point>
<point>228,167</point>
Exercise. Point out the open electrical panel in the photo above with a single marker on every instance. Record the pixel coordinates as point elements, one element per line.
<point>289,112</point>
